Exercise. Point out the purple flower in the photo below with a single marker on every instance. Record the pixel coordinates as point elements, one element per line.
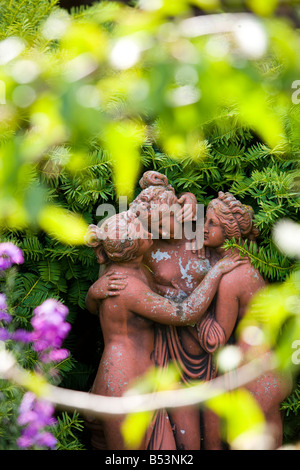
<point>4,334</point>
<point>26,406</point>
<point>56,355</point>
<point>18,335</point>
<point>35,415</point>
<point>4,316</point>
<point>50,328</point>
<point>22,335</point>
<point>46,439</point>
<point>10,254</point>
<point>25,441</point>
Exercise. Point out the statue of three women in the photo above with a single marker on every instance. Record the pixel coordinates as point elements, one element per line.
<point>161,300</point>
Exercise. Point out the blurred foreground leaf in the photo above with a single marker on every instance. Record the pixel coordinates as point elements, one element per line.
<point>134,427</point>
<point>275,309</point>
<point>156,379</point>
<point>239,412</point>
<point>63,225</point>
<point>123,141</point>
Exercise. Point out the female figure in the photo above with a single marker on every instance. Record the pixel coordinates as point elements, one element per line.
<point>226,218</point>
<point>127,321</point>
<point>173,271</point>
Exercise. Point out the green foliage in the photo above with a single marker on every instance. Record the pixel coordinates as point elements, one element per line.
<point>30,15</point>
<point>271,263</point>
<point>67,430</point>
<point>290,407</point>
<point>56,270</point>
<point>9,430</point>
<point>292,404</point>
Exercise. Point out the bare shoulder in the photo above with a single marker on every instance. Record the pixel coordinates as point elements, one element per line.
<point>99,287</point>
<point>241,275</point>
<point>95,290</point>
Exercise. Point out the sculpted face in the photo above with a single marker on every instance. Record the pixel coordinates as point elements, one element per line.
<point>214,233</point>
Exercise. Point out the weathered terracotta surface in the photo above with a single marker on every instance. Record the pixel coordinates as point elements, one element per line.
<point>159,302</point>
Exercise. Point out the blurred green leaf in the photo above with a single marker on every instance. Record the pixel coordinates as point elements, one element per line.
<point>207,5</point>
<point>270,308</point>
<point>134,428</point>
<point>123,140</point>
<point>156,379</point>
<point>265,8</point>
<point>275,309</point>
<point>239,412</point>
<point>63,225</point>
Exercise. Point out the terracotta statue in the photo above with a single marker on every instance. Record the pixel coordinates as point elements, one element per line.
<point>128,320</point>
<point>174,272</point>
<point>227,217</point>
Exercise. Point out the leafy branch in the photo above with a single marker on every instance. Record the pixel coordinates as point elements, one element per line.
<point>267,260</point>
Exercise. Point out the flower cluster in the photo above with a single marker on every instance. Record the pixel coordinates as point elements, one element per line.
<point>17,335</point>
<point>50,329</point>
<point>4,315</point>
<point>36,415</point>
<point>49,326</point>
<point>10,254</point>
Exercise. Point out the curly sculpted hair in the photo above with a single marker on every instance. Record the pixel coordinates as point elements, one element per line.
<point>236,218</point>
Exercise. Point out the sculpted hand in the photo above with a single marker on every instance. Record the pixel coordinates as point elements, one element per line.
<point>189,207</point>
<point>111,284</point>
<point>228,263</point>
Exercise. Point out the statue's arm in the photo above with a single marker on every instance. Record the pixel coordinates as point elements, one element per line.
<point>227,305</point>
<point>108,285</point>
<point>91,301</point>
<point>142,301</point>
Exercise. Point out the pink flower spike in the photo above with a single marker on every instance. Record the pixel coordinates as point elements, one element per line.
<point>10,254</point>
<point>58,355</point>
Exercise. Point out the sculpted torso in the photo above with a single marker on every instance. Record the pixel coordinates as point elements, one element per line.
<point>175,272</point>
<point>173,265</point>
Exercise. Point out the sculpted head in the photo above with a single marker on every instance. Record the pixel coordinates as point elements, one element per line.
<point>120,238</point>
<point>226,218</point>
<point>157,204</point>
